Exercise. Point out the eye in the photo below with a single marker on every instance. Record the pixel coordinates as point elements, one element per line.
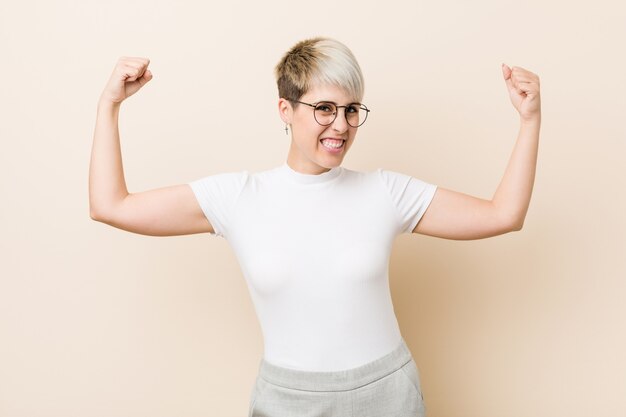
<point>325,107</point>
<point>353,109</point>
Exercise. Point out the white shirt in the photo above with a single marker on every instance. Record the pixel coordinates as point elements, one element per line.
<point>314,250</point>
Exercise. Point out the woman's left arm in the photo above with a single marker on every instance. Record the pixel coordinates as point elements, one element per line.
<point>454,215</point>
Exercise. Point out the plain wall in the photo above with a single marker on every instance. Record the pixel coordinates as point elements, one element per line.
<point>96,321</point>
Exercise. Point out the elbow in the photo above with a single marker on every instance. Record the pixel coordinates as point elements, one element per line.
<point>515,225</point>
<point>94,211</point>
<point>510,223</point>
<point>103,210</point>
<point>100,211</point>
<point>510,220</point>
<point>93,214</point>
<point>97,214</point>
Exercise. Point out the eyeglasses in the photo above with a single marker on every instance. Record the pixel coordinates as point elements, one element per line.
<point>325,112</point>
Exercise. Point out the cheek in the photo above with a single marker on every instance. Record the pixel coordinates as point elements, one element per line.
<point>308,137</point>
<point>308,127</point>
<point>313,133</point>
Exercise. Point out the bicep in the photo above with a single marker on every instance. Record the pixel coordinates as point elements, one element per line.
<point>458,216</point>
<point>166,211</point>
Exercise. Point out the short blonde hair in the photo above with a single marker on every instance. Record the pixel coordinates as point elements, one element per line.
<point>318,61</point>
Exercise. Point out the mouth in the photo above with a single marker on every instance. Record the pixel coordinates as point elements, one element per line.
<point>333,144</point>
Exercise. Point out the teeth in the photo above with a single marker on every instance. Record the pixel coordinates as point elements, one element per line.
<point>332,143</point>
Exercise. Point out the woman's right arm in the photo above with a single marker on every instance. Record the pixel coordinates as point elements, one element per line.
<point>166,211</point>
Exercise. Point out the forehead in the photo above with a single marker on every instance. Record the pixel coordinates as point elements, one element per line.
<point>328,92</point>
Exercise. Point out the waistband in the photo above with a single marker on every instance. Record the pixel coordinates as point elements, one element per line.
<point>343,380</point>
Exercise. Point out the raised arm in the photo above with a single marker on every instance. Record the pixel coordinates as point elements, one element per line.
<point>454,215</point>
<point>164,211</point>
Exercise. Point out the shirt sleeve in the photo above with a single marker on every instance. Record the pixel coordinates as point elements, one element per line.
<point>409,195</point>
<point>217,195</point>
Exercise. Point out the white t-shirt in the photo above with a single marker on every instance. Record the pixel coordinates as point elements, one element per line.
<point>314,250</point>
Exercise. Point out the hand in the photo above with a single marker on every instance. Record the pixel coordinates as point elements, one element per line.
<point>129,75</point>
<point>523,88</point>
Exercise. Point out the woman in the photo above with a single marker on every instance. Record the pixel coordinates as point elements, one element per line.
<point>313,238</point>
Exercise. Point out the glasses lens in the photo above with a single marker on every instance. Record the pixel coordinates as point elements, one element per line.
<point>325,113</point>
<point>355,115</point>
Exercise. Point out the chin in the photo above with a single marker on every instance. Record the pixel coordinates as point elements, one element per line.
<point>333,165</point>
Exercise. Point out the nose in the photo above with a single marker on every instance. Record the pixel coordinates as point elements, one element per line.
<point>340,124</point>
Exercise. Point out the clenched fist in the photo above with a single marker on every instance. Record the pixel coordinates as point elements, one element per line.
<point>523,87</point>
<point>129,75</point>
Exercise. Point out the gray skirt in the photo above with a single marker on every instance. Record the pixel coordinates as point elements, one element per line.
<point>388,386</point>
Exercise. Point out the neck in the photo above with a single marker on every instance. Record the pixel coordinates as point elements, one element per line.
<point>305,167</point>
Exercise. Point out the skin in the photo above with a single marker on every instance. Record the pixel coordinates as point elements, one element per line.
<point>306,153</point>
<point>450,215</point>
<point>454,215</point>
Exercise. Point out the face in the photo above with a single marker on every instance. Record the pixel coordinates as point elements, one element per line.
<point>307,153</point>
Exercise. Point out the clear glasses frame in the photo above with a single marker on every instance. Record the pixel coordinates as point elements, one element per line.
<point>345,112</point>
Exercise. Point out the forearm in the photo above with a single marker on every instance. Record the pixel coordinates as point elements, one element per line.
<point>512,197</point>
<point>107,185</point>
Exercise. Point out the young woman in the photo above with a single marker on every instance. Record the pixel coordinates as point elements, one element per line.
<point>313,238</point>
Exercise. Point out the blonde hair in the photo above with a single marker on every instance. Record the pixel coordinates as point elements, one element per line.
<point>318,61</point>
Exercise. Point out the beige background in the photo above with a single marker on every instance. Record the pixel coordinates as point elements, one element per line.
<point>95,321</point>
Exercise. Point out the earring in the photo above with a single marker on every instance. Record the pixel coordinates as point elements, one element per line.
<point>286,129</point>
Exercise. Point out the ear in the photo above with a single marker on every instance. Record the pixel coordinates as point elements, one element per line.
<point>285,110</point>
